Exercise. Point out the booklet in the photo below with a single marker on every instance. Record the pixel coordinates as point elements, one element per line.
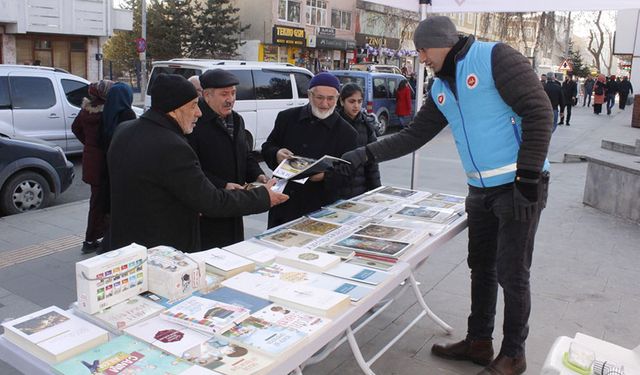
<point>205,315</point>
<point>227,358</point>
<point>171,337</point>
<point>310,260</point>
<point>299,168</point>
<point>265,337</point>
<point>358,273</point>
<point>285,316</point>
<point>286,238</point>
<point>387,248</point>
<point>313,227</point>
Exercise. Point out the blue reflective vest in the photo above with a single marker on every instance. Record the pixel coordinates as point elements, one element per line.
<point>486,130</point>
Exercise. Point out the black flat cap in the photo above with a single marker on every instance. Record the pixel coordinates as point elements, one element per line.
<point>218,78</point>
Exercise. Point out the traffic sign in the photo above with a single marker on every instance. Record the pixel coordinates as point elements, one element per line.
<point>566,65</point>
<point>141,45</point>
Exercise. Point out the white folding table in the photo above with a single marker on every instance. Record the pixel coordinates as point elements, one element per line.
<point>331,336</point>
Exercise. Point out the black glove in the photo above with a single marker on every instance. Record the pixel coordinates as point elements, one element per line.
<point>357,157</point>
<point>525,195</point>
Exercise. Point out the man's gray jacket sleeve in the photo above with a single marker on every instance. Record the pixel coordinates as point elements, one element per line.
<point>520,88</point>
<point>427,124</point>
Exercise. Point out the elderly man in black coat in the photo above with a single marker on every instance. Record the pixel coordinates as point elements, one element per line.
<point>311,131</point>
<point>158,189</point>
<point>219,140</point>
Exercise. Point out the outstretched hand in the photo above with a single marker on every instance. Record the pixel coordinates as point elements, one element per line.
<point>275,198</point>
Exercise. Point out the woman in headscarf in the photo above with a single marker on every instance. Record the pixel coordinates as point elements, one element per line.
<point>87,127</point>
<point>117,109</point>
<point>367,177</point>
<point>599,94</point>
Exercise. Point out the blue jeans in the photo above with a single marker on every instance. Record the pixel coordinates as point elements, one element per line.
<point>500,252</point>
<point>555,120</point>
<point>611,101</point>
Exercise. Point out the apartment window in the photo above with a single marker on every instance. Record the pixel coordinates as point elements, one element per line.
<point>317,12</point>
<point>340,19</point>
<point>289,10</point>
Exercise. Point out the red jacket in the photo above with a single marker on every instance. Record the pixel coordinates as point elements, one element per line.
<point>403,101</point>
<point>86,128</point>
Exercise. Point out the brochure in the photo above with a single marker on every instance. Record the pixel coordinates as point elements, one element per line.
<point>299,168</point>
<point>372,245</point>
<point>313,227</point>
<point>286,238</point>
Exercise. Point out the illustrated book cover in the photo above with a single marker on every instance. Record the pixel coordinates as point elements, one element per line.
<point>53,334</point>
<point>267,338</point>
<point>205,315</point>
<point>299,168</point>
<point>238,298</point>
<point>171,337</point>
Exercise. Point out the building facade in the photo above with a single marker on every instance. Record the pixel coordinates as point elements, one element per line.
<point>65,34</point>
<point>316,34</point>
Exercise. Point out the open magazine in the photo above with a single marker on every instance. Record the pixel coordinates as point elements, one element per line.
<point>299,168</point>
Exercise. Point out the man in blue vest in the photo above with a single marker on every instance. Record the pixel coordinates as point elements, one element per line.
<point>501,120</point>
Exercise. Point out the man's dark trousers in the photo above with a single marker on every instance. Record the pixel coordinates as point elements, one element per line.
<point>584,101</point>
<point>500,252</point>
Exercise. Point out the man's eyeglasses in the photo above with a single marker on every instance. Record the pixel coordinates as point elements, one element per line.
<point>322,98</point>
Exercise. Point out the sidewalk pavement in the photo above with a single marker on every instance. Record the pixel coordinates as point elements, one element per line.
<point>584,275</point>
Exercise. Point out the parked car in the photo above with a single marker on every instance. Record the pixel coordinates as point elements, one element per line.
<point>265,89</point>
<point>32,173</point>
<point>41,102</point>
<point>379,94</point>
<point>378,68</point>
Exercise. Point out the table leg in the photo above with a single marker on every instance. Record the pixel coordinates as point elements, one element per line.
<point>421,301</point>
<point>357,353</point>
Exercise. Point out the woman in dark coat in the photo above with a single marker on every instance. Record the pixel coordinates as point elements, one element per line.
<point>366,177</point>
<point>117,110</point>
<point>86,128</point>
<point>403,103</point>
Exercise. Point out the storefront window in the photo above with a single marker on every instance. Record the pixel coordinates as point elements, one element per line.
<point>340,19</point>
<point>317,12</point>
<point>24,51</point>
<point>289,10</point>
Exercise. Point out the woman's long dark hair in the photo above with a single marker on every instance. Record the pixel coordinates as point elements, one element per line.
<point>350,89</point>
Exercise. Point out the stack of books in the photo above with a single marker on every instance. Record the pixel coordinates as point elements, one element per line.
<point>223,263</point>
<point>53,335</point>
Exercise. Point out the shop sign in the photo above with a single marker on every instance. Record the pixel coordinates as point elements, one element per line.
<point>326,32</point>
<point>377,41</point>
<point>294,36</point>
<point>330,43</point>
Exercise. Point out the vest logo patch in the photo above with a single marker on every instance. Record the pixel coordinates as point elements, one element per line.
<point>441,99</point>
<point>472,81</point>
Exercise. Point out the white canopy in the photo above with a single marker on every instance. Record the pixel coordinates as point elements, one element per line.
<point>454,6</point>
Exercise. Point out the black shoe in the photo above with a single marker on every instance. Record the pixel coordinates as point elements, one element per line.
<point>568,124</point>
<point>89,247</point>
<point>476,351</point>
<point>561,123</point>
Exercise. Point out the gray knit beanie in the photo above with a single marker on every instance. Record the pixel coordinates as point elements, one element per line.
<point>435,32</point>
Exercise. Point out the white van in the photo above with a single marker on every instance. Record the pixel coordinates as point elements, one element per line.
<point>265,89</point>
<point>41,102</point>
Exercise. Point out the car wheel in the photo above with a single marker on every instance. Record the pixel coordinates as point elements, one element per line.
<point>24,191</point>
<point>383,123</point>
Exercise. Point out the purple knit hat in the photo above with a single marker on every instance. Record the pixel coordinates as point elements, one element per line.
<point>325,79</point>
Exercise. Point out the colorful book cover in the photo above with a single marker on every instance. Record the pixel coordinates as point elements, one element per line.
<point>267,338</point>
<point>351,206</point>
<point>434,215</point>
<point>313,227</point>
<point>168,336</point>
<point>205,315</point>
<point>287,317</point>
<point>53,334</point>
<point>165,302</point>
<point>228,358</point>
<point>333,216</point>
<point>396,192</point>
<point>385,232</point>
<point>123,355</point>
<point>286,238</point>
<point>238,298</point>
<point>374,245</point>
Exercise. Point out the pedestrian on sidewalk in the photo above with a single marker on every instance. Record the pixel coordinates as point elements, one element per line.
<point>599,94</point>
<point>587,91</point>
<point>556,97</point>
<point>570,93</point>
<point>117,110</point>
<point>612,90</point>
<point>403,103</point>
<point>87,127</point>
<point>158,189</point>
<point>501,120</point>
<point>624,89</point>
